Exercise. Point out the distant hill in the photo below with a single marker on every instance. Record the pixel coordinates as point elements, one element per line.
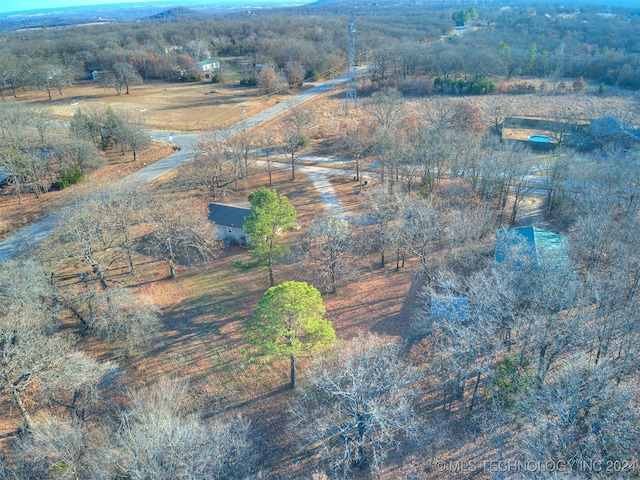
<point>177,13</point>
<point>457,3</point>
<point>128,12</point>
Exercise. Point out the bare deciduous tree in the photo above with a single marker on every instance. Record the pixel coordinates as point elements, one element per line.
<point>357,407</point>
<point>133,135</point>
<point>180,234</point>
<point>268,80</point>
<point>80,386</point>
<point>210,168</point>
<point>382,207</point>
<point>16,167</point>
<point>421,227</point>
<point>581,417</point>
<point>97,231</point>
<point>356,140</point>
<point>27,350</point>
<point>121,75</point>
<point>66,449</point>
<point>157,439</point>
<point>119,316</point>
<point>331,245</point>
<point>294,134</point>
<point>294,71</point>
<point>387,108</point>
<point>84,155</point>
<point>266,142</point>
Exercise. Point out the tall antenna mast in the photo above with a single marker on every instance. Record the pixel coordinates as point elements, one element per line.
<point>352,62</point>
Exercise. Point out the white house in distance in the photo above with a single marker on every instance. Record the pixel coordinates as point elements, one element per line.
<point>228,221</point>
<point>209,65</point>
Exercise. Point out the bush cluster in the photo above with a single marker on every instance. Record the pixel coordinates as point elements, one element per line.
<point>476,86</point>
<point>249,82</point>
<point>190,77</point>
<point>67,177</point>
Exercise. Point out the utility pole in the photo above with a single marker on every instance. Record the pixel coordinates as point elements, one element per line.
<point>351,64</point>
<point>243,111</point>
<point>143,111</point>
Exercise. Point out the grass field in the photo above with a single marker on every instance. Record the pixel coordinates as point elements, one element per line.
<point>190,107</point>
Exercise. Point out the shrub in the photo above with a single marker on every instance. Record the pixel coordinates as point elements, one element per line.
<point>415,86</point>
<point>479,86</point>
<point>509,380</point>
<point>190,77</point>
<point>579,84</point>
<point>516,88</point>
<point>311,75</point>
<point>67,177</point>
<point>249,82</point>
<point>216,77</point>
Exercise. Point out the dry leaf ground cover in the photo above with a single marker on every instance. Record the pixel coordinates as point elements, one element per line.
<point>205,308</point>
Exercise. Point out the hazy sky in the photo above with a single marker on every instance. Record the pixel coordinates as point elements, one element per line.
<point>18,5</point>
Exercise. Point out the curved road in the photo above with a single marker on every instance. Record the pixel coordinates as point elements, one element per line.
<point>26,238</point>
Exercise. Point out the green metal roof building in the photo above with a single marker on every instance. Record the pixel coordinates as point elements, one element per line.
<point>533,245</point>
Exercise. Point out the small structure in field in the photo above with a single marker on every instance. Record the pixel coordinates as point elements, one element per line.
<point>208,65</point>
<point>229,221</point>
<point>449,307</point>
<point>447,302</point>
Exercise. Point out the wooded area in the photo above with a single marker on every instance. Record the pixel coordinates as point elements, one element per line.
<point>421,296</point>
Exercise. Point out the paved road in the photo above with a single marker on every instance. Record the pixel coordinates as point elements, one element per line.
<point>31,235</point>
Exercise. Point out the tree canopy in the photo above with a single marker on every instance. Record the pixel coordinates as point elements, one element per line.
<point>271,215</point>
<point>289,321</point>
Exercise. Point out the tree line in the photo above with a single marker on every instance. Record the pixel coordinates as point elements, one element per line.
<point>35,158</point>
<point>501,41</point>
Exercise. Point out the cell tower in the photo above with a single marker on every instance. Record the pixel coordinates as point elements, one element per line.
<point>351,72</point>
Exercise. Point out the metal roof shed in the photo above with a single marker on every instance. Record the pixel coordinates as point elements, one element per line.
<point>541,247</point>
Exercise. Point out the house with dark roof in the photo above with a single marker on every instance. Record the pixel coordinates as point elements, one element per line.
<point>229,221</point>
<point>532,246</point>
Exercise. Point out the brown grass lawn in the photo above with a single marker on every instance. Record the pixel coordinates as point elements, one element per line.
<point>171,107</point>
<point>204,309</point>
<point>15,213</point>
